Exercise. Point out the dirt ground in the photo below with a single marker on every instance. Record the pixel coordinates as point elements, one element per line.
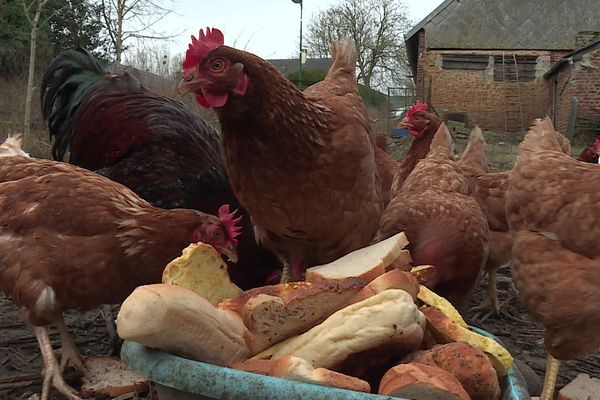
<point>20,361</point>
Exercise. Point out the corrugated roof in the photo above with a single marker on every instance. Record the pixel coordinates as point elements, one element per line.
<point>508,24</point>
<point>290,65</point>
<point>574,56</point>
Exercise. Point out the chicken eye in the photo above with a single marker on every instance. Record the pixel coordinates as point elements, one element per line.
<point>217,65</point>
<point>215,234</point>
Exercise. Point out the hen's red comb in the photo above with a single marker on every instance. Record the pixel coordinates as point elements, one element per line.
<point>200,47</point>
<point>228,219</point>
<point>597,144</point>
<point>418,106</point>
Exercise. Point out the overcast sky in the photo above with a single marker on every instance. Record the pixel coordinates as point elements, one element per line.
<point>268,28</point>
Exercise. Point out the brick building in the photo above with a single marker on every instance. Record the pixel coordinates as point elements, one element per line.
<point>486,61</point>
<point>577,75</point>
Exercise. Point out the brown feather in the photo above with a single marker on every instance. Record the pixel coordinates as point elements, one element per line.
<point>75,239</point>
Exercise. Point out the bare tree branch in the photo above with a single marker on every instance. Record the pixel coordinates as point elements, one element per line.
<point>35,25</point>
<point>127,19</point>
<point>376,27</point>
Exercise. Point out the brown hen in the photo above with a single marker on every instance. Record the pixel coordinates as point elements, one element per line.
<point>422,126</point>
<point>72,239</point>
<point>489,189</point>
<point>301,164</point>
<point>552,207</point>
<point>444,225</point>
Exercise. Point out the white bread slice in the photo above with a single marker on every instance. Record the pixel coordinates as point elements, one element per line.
<point>366,263</point>
<point>298,369</point>
<point>419,381</point>
<point>387,318</point>
<point>181,322</point>
<point>274,313</point>
<point>109,376</point>
<point>200,268</point>
<point>581,388</point>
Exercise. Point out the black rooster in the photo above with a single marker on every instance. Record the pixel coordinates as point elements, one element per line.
<point>156,146</point>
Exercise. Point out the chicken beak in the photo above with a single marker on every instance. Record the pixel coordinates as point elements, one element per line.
<point>404,124</point>
<point>184,87</point>
<point>231,254</point>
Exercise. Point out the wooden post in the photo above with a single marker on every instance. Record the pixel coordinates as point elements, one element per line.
<point>572,117</point>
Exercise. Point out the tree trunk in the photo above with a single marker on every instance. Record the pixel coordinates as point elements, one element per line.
<point>30,87</point>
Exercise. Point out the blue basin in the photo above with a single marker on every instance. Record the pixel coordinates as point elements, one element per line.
<point>179,378</point>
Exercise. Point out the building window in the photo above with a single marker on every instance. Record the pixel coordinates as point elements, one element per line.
<point>512,69</point>
<point>455,61</point>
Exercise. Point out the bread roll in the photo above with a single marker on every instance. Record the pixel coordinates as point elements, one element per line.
<point>421,382</point>
<point>468,364</point>
<point>181,322</point>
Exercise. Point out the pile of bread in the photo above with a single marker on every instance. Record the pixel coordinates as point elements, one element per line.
<point>361,323</point>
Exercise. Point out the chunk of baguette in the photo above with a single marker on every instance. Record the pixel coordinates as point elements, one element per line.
<point>181,322</point>
<point>469,365</point>
<point>298,369</point>
<point>445,330</point>
<point>274,313</point>
<point>388,318</point>
<point>419,381</point>
<point>200,268</point>
<point>367,263</point>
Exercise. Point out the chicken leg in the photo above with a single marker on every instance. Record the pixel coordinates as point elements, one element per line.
<point>52,373</point>
<point>492,294</point>
<point>552,367</point>
<point>69,354</point>
<point>292,271</point>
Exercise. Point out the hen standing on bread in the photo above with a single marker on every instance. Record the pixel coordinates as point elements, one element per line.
<point>552,207</point>
<point>301,163</point>
<point>444,225</point>
<point>72,239</point>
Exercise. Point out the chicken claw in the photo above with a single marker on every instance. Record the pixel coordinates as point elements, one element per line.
<point>52,373</point>
<point>69,355</point>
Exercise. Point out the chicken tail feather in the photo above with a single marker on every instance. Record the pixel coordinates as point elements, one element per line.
<point>443,139</point>
<point>344,57</point>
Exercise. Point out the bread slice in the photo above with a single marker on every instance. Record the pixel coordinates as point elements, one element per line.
<point>445,330</point>
<point>181,322</point>
<point>200,268</point>
<point>419,381</point>
<point>469,365</point>
<point>394,279</point>
<point>387,318</point>
<point>367,263</point>
<point>274,313</point>
<point>298,369</point>
<point>109,376</point>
